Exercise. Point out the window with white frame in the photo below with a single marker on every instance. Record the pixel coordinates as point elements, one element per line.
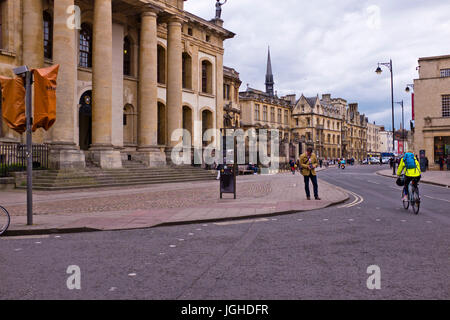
<point>445,73</point>
<point>257,112</point>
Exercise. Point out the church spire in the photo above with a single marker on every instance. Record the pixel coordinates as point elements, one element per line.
<point>269,75</point>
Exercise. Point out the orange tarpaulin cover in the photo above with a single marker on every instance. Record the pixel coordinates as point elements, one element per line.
<point>45,97</point>
<point>13,103</point>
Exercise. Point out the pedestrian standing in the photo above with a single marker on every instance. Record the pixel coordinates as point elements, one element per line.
<point>309,163</point>
<point>381,160</point>
<point>441,163</point>
<point>321,162</point>
<point>448,162</point>
<point>426,163</point>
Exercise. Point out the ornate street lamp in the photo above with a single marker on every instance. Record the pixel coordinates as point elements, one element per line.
<point>379,71</point>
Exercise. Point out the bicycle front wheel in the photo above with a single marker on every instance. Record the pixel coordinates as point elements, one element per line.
<point>416,203</point>
<point>4,220</point>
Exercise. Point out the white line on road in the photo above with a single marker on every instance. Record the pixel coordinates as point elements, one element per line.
<point>437,199</point>
<point>226,223</point>
<point>358,199</point>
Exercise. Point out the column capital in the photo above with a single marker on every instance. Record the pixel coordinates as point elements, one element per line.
<point>174,20</point>
<point>150,10</point>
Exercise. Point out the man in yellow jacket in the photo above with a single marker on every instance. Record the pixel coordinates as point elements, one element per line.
<point>411,166</point>
<point>308,164</point>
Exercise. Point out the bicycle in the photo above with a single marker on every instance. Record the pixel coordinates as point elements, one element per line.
<point>414,199</point>
<point>4,220</point>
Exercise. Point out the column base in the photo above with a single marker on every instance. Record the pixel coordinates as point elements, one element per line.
<point>66,156</point>
<point>105,156</point>
<point>152,156</point>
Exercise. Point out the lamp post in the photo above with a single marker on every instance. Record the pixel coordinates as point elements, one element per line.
<point>379,71</point>
<point>403,125</point>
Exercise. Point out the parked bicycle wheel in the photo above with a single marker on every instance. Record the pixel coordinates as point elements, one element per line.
<point>4,220</point>
<point>416,202</point>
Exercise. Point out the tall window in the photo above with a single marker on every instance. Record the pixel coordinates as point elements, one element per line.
<point>286,117</point>
<point>86,46</point>
<point>206,77</point>
<point>264,113</point>
<point>127,56</point>
<point>187,71</point>
<point>226,91</point>
<point>446,105</point>
<point>161,62</point>
<point>279,116</point>
<point>48,35</point>
<point>272,115</point>
<point>257,112</point>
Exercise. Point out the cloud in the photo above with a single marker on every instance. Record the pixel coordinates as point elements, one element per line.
<point>328,46</point>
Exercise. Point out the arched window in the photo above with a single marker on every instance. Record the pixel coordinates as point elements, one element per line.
<point>48,35</point>
<point>161,65</point>
<point>207,77</point>
<point>187,71</point>
<point>86,46</point>
<point>127,56</point>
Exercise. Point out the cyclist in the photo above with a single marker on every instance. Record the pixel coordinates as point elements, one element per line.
<point>411,165</point>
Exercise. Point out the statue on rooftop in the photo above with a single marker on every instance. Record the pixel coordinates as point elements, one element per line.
<point>219,8</point>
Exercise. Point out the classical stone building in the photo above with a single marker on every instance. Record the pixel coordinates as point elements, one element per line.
<point>432,108</point>
<point>232,108</point>
<point>354,137</point>
<point>131,73</point>
<point>373,139</point>
<point>265,110</point>
<point>319,124</point>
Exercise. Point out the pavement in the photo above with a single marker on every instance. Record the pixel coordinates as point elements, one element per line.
<point>439,178</point>
<point>169,204</point>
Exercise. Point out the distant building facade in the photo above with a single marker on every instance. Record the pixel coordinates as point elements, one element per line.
<point>432,108</point>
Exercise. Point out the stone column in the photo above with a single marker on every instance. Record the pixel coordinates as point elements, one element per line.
<point>149,153</point>
<point>33,43</point>
<point>64,152</point>
<point>33,33</point>
<point>102,149</point>
<point>174,78</point>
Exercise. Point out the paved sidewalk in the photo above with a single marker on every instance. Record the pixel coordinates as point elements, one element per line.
<point>439,178</point>
<point>155,205</point>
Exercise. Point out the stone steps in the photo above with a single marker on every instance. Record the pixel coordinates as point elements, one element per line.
<point>133,174</point>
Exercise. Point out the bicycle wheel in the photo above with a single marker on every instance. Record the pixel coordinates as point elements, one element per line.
<point>416,202</point>
<point>4,220</point>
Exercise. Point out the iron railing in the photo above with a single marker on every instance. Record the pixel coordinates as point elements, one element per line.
<point>13,157</point>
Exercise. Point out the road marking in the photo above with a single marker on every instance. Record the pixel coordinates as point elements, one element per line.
<point>372,181</point>
<point>299,219</point>
<point>173,246</point>
<point>180,239</point>
<point>437,199</point>
<point>190,234</point>
<point>358,199</point>
<point>403,220</point>
<point>38,242</point>
<point>113,289</point>
<point>26,237</point>
<point>227,223</point>
<point>378,220</point>
<point>18,249</point>
<point>325,219</point>
<point>132,274</point>
<point>428,221</point>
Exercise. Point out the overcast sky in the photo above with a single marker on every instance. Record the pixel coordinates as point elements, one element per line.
<point>329,46</point>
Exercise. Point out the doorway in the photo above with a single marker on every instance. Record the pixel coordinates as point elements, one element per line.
<point>85,120</point>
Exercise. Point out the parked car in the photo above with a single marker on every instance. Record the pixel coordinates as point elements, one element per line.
<point>385,160</point>
<point>374,160</point>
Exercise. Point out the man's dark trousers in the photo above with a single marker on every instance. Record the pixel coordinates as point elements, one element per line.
<point>315,185</point>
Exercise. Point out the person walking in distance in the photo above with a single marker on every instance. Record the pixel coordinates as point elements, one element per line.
<point>309,163</point>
